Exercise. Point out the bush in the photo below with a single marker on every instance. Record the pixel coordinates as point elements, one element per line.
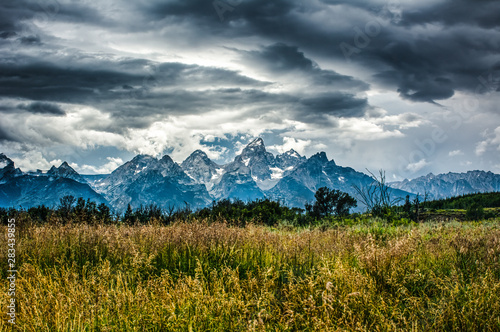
<point>474,212</point>
<point>331,201</point>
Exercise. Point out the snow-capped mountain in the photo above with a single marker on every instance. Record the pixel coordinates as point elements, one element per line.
<point>254,172</point>
<point>299,186</point>
<point>255,161</point>
<point>146,180</point>
<point>242,177</point>
<point>201,169</point>
<point>197,181</point>
<point>65,171</point>
<point>7,169</point>
<point>451,184</point>
<point>288,160</point>
<point>26,190</point>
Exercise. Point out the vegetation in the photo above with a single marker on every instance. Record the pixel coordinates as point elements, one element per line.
<point>475,212</point>
<point>486,200</point>
<point>201,276</point>
<point>377,196</point>
<point>330,201</point>
<point>254,266</point>
<point>262,211</point>
<point>234,212</point>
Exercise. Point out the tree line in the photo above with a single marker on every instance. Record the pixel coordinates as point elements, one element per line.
<point>328,204</point>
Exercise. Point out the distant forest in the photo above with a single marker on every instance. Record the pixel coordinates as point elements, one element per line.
<point>485,200</point>
<point>330,207</point>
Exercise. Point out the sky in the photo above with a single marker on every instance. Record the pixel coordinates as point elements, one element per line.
<point>410,87</point>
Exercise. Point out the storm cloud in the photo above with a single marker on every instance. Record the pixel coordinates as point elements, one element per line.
<point>154,76</point>
<point>42,108</point>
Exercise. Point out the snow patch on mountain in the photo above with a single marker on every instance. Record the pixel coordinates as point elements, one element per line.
<point>277,173</point>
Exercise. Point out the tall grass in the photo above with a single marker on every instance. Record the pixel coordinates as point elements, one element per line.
<point>212,277</point>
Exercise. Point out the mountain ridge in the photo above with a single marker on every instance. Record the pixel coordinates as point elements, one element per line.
<point>451,184</point>
<point>253,174</point>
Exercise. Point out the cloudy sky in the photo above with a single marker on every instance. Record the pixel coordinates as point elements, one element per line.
<point>410,87</point>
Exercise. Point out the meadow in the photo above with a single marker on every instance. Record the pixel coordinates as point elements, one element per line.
<point>201,276</point>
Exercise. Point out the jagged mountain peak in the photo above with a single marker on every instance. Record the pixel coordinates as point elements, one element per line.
<point>200,153</point>
<point>199,167</point>
<point>166,159</point>
<point>197,156</point>
<point>137,165</point>
<point>7,168</point>
<point>141,158</point>
<point>255,147</point>
<point>5,161</point>
<point>293,153</point>
<point>451,184</point>
<point>256,142</point>
<point>198,159</point>
<point>3,156</point>
<point>319,157</point>
<point>289,159</point>
<point>65,171</point>
<point>64,167</point>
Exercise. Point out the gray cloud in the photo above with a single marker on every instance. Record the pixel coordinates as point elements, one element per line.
<point>335,104</point>
<point>6,136</point>
<point>455,50</point>
<point>116,58</point>
<point>137,91</point>
<point>42,108</point>
<point>14,12</point>
<point>283,58</point>
<point>33,39</point>
<point>482,13</point>
<point>99,81</point>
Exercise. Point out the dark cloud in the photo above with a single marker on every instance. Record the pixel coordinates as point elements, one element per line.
<point>447,53</point>
<point>42,108</point>
<point>283,58</point>
<point>197,9</point>
<point>5,135</point>
<point>7,34</point>
<point>46,81</point>
<point>15,14</point>
<point>482,13</point>
<point>137,92</point>
<point>455,49</point>
<point>97,82</point>
<point>317,108</point>
<point>311,109</point>
<point>30,39</point>
<point>419,86</point>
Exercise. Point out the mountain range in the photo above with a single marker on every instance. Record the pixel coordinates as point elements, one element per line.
<point>450,184</point>
<point>253,174</point>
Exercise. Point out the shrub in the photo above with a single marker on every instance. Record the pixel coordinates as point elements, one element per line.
<point>474,212</point>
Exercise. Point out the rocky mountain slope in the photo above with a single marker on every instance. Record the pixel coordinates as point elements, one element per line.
<point>18,189</point>
<point>451,184</point>
<point>253,174</point>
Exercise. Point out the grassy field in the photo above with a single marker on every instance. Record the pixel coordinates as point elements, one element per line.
<point>211,277</point>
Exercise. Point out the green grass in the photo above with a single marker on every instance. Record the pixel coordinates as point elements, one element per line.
<point>212,277</point>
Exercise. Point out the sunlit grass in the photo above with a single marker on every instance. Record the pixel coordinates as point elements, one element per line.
<point>211,277</point>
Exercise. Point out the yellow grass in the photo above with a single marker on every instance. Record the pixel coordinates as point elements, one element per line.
<point>211,277</point>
